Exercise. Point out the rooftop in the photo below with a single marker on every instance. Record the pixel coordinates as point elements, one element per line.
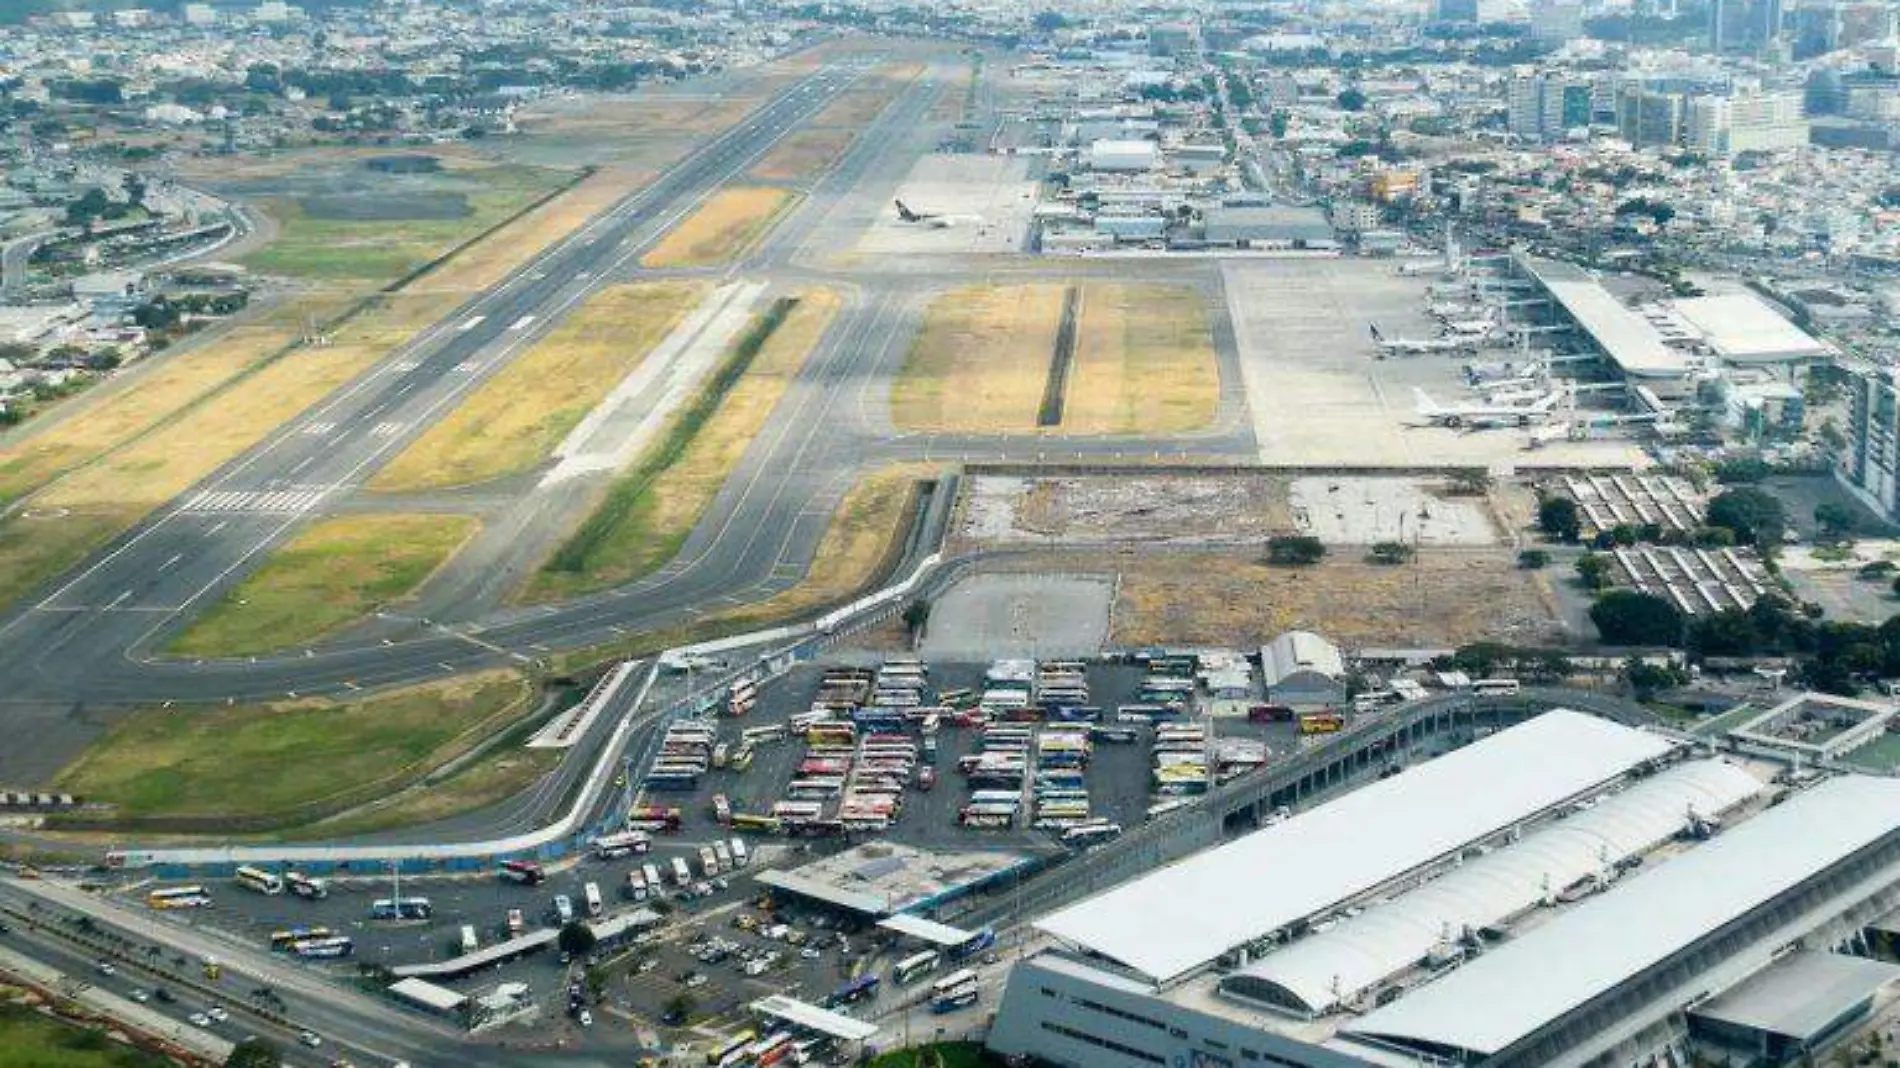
<point>1507,994</point>
<point>884,878</point>
<point>1744,328</point>
<point>1630,340</point>
<point>1801,995</point>
<point>1180,918</point>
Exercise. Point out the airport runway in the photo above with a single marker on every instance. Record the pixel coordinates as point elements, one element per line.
<point>92,639</point>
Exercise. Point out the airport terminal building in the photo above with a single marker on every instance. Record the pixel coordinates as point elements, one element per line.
<point>1566,892</point>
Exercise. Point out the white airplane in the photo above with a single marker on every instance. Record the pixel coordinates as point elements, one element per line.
<point>936,220</point>
<point>1455,310</point>
<point>1482,416</point>
<point>1414,269</point>
<point>1411,345</point>
<point>1470,327</point>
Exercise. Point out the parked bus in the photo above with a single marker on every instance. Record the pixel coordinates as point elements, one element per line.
<point>758,735</point>
<point>722,810</point>
<point>259,880</point>
<point>983,939</point>
<point>682,875</point>
<point>284,938</point>
<point>752,821</point>
<point>662,818</point>
<point>524,872</point>
<point>307,887</point>
<point>864,986</point>
<point>595,906</point>
<point>724,853</point>
<point>954,1000</point>
<point>470,943</point>
<point>916,966</point>
<point>324,948</point>
<point>1321,722</point>
<point>771,1049</point>
<point>652,873</point>
<point>1496,687</point>
<point>1090,832</point>
<point>739,857</point>
<point>1165,807</point>
<point>179,897</point>
<point>708,861</point>
<point>623,844</point>
<point>731,1052</point>
<point>637,885</point>
<point>400,908</point>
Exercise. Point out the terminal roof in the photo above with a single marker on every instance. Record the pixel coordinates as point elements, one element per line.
<point>1177,920</point>
<point>938,934</point>
<point>1630,340</point>
<point>805,1014</point>
<point>1507,994</point>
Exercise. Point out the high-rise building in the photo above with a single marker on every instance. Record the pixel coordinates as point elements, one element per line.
<point>1545,106</point>
<point>1455,10</point>
<point>1745,122</point>
<point>1556,21</point>
<point>1766,24</point>
<point>1868,462</point>
<point>1649,116</point>
<point>1718,25</point>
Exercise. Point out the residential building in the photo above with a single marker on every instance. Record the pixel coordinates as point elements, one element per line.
<point>1751,122</point>
<point>1649,116</point>
<point>1868,462</point>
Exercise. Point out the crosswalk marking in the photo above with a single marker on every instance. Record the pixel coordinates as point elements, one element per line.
<point>318,430</point>
<point>257,502</point>
<point>387,430</point>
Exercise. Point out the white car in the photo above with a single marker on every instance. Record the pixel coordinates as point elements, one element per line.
<point>200,1019</point>
<point>809,953</point>
<point>139,996</point>
<point>587,1018</point>
<point>217,1013</point>
<point>310,1038</point>
<point>696,982</point>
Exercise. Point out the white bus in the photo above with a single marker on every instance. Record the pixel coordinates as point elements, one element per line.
<point>724,853</point>
<point>652,873</point>
<point>470,943</point>
<point>953,983</point>
<point>259,880</point>
<point>624,844</point>
<point>738,853</point>
<point>682,874</point>
<point>179,897</point>
<point>1496,687</point>
<point>594,905</point>
<point>636,885</point>
<point>708,861</point>
<point>915,967</point>
<point>306,886</point>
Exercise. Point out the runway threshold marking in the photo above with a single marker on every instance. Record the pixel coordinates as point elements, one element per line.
<point>472,322</point>
<point>521,323</point>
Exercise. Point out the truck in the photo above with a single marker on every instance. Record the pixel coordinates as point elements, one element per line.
<point>470,943</point>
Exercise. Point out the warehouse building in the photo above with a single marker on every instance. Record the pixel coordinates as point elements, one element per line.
<point>1303,671</point>
<point>1579,909</point>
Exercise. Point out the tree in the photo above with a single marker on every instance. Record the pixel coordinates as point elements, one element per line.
<point>1558,517</point>
<point>1533,559</point>
<point>1836,519</point>
<point>1729,633</point>
<point>1294,550</point>
<point>1593,571</point>
<point>1646,678</point>
<point>1627,617</point>
<point>1351,99</point>
<point>1277,122</point>
<point>1755,516</point>
<point>1391,552</point>
<point>576,939</point>
<point>255,1053</point>
<point>916,615</point>
<point>677,1009</point>
<point>1047,22</point>
<point>1471,481</point>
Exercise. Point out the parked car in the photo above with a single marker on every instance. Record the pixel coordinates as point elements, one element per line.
<point>309,1038</point>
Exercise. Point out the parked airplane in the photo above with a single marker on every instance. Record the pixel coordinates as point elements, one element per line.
<point>1481,416</point>
<point>936,220</point>
<point>1470,327</point>
<point>1405,344</point>
<point>1454,309</point>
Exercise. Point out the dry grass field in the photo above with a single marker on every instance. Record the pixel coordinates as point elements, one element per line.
<point>289,761</point>
<point>981,360</point>
<point>515,419</point>
<point>1144,362</point>
<point>332,574</point>
<point>724,226</point>
<point>514,244</point>
<point>1446,599</point>
<point>803,156</point>
<point>669,503</point>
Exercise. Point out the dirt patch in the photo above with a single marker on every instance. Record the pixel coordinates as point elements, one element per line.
<point>1123,509</point>
<point>1447,598</point>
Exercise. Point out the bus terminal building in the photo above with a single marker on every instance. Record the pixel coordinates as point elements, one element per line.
<point>1567,892</point>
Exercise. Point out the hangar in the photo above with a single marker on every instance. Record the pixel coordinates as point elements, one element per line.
<point>1577,924</point>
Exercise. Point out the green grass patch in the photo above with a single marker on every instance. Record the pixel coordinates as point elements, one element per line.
<point>378,250</point>
<point>30,1039</point>
<point>331,575</point>
<point>940,1055</point>
<point>288,763</point>
<point>609,534</point>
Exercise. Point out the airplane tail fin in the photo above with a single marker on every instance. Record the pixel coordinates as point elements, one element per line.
<point>1376,336</point>
<point>1426,405</point>
<point>905,213</point>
